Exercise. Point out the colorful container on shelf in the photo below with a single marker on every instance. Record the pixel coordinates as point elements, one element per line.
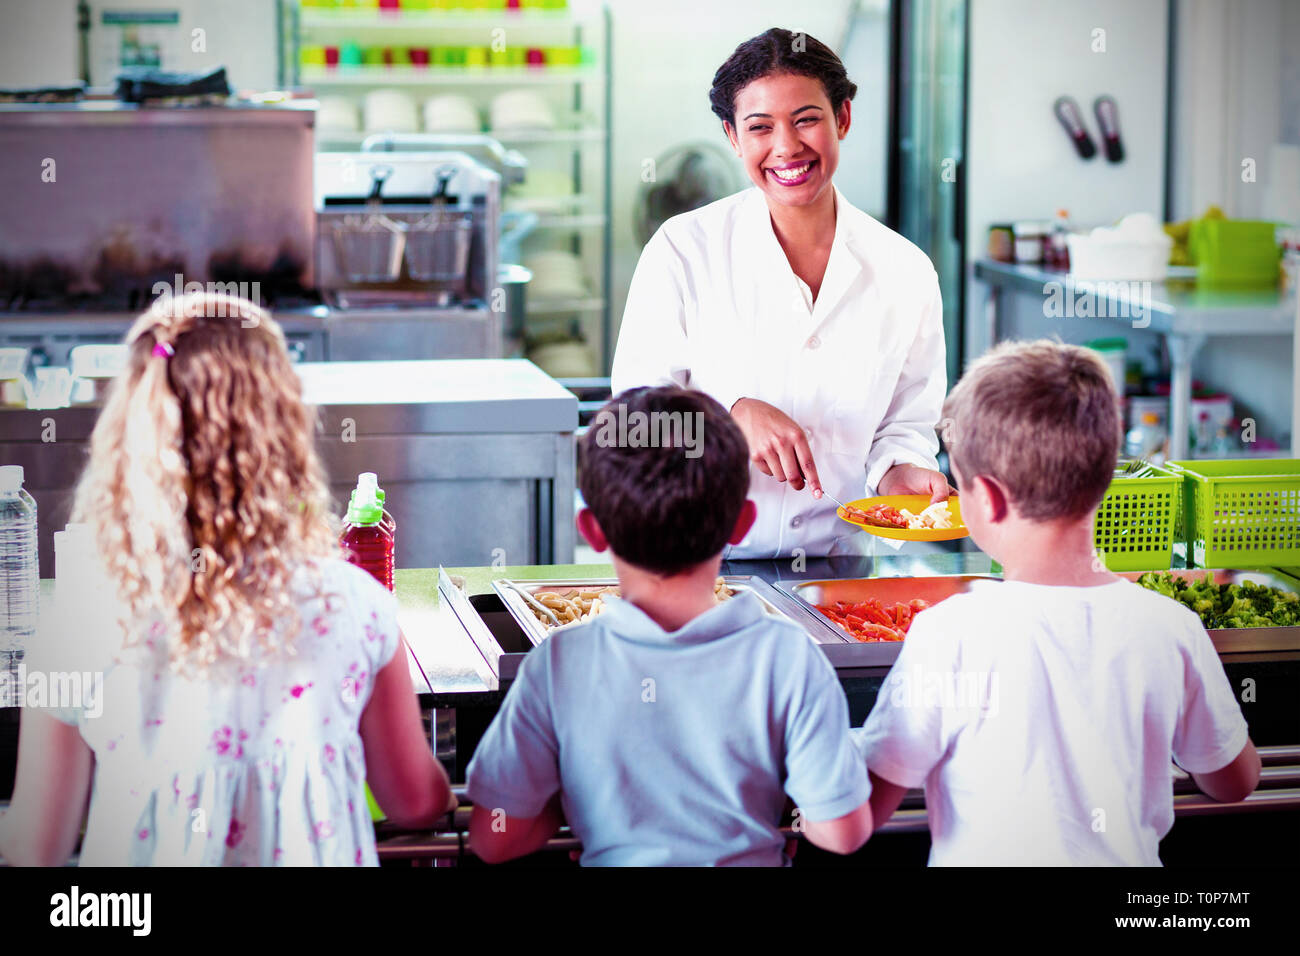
<point>352,54</point>
<point>1240,513</point>
<point>1133,529</point>
<point>460,6</point>
<point>1235,252</point>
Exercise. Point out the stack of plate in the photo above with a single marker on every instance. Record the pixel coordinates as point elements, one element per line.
<point>391,111</point>
<point>521,110</point>
<point>337,114</point>
<point>450,113</point>
<point>557,274</point>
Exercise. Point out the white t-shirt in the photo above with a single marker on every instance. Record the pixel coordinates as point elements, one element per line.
<point>1042,721</point>
<point>262,767</point>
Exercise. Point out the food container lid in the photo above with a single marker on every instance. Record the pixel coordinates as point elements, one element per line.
<point>12,361</point>
<point>1027,229</point>
<point>1112,344</point>
<point>97,361</point>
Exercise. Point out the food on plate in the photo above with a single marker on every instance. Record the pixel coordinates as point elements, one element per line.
<point>871,620</point>
<point>1228,605</point>
<point>882,516</point>
<point>936,515</point>
<point>574,604</point>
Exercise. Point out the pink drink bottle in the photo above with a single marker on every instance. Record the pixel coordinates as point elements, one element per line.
<point>367,537</point>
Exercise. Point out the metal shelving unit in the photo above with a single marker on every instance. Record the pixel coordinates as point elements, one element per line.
<point>1185,314</point>
<point>579,145</point>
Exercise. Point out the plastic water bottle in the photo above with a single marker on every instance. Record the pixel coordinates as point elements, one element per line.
<point>1147,440</point>
<point>19,569</point>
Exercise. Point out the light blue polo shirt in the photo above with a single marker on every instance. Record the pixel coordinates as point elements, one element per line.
<point>674,749</point>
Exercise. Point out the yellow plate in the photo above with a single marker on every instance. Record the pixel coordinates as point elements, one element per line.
<point>915,504</point>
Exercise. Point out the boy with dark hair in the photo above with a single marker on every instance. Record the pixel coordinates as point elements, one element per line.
<point>1041,712</point>
<point>669,729</point>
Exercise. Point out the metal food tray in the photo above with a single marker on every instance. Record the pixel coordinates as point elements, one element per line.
<point>875,654</point>
<point>774,602</point>
<point>1242,640</point>
<point>1227,641</point>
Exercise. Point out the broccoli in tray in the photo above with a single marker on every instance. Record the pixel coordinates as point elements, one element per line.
<point>1228,605</point>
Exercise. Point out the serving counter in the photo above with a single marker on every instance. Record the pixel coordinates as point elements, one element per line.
<point>465,686</point>
<point>464,690</point>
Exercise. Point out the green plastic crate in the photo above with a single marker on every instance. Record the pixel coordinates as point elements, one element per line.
<point>1240,513</point>
<point>1133,529</point>
<point>1235,252</point>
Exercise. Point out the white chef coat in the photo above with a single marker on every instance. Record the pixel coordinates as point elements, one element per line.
<point>715,306</point>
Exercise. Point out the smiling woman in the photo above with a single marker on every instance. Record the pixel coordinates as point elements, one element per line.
<point>798,65</point>
<point>819,328</point>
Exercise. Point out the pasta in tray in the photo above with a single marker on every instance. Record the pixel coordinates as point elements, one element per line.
<point>574,604</point>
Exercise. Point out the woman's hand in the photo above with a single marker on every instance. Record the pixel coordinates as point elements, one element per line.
<point>777,445</point>
<point>905,479</point>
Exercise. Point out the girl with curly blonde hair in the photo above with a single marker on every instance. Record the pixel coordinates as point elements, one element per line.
<point>254,663</point>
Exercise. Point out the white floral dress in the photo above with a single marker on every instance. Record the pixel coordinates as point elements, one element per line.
<point>264,767</point>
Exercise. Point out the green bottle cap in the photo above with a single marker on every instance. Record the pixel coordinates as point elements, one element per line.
<point>364,506</point>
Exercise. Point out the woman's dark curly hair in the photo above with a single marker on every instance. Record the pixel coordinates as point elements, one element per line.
<point>778,51</point>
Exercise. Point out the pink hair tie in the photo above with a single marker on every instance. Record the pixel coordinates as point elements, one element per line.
<point>163,350</point>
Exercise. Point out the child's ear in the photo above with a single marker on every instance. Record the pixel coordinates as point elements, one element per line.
<point>993,498</point>
<point>748,514</point>
<point>589,528</point>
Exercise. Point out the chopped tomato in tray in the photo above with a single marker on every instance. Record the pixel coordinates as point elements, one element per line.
<point>872,620</point>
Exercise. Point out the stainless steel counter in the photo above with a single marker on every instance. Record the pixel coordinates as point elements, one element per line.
<point>477,457</point>
<point>456,671</point>
<point>314,333</point>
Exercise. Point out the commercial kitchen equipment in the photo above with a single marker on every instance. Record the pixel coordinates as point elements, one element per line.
<point>558,112</point>
<point>106,202</point>
<point>406,249</point>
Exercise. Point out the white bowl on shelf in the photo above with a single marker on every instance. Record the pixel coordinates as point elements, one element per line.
<point>337,114</point>
<point>1136,250</point>
<point>450,113</point>
<point>516,110</point>
<point>557,274</point>
<point>571,359</point>
<point>391,111</point>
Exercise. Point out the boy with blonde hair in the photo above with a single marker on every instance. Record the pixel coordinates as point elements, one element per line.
<point>1041,712</point>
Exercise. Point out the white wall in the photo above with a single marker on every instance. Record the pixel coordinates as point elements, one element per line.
<point>39,46</point>
<point>1021,165</point>
<point>38,43</point>
<point>1237,96</point>
<point>1232,102</point>
<point>864,153</point>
